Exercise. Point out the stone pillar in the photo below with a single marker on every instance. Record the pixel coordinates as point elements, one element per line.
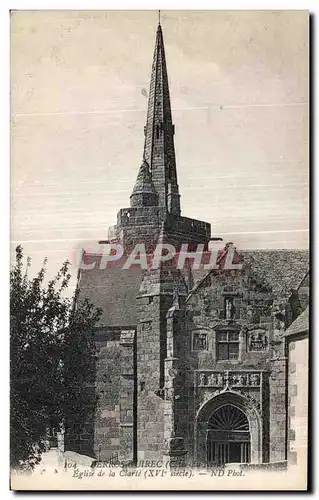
<point>277,396</point>
<point>174,452</point>
<point>201,441</point>
<point>242,344</point>
<point>277,400</point>
<point>175,392</point>
<point>127,396</point>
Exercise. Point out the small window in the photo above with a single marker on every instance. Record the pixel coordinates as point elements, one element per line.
<point>199,341</point>
<point>227,345</point>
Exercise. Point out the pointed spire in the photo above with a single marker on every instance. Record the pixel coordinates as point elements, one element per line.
<point>144,193</point>
<point>159,148</point>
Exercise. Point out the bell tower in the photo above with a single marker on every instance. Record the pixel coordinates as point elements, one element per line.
<point>155,197</point>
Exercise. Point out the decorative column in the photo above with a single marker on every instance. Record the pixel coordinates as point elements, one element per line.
<point>175,398</point>
<point>277,386</point>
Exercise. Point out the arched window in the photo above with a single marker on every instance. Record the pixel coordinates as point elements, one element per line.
<point>228,417</point>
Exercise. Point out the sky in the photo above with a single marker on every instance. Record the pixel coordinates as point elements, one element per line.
<point>239,94</point>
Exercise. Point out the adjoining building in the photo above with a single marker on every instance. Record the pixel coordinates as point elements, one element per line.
<point>297,337</point>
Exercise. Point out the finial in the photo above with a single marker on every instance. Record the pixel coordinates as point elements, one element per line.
<point>159,17</point>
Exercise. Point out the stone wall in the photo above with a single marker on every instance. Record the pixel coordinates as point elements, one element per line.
<point>142,225</point>
<point>108,389</point>
<point>115,420</point>
<point>258,375</point>
<point>111,431</point>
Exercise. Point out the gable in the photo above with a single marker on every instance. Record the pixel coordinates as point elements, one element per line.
<point>279,270</point>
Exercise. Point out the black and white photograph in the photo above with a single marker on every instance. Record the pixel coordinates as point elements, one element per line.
<point>159,250</point>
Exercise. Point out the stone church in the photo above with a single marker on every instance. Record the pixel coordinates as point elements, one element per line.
<point>191,364</point>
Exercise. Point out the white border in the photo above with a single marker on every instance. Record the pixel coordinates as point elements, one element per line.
<point>5,6</point>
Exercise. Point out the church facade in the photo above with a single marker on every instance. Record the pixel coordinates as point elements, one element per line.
<point>191,363</point>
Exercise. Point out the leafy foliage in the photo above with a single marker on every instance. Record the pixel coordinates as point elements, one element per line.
<point>52,354</point>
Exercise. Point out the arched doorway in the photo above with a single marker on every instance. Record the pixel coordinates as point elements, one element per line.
<point>204,422</point>
<point>228,436</point>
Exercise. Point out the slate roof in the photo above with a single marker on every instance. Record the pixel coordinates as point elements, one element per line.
<point>300,325</point>
<point>115,290</point>
<point>283,270</point>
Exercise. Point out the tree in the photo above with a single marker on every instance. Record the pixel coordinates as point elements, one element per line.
<point>52,352</point>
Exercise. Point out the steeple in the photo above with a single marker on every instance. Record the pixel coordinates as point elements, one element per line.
<point>155,197</point>
<point>159,150</point>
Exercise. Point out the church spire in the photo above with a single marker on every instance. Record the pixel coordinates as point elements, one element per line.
<point>159,149</point>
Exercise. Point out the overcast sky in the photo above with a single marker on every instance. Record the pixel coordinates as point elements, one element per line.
<point>239,93</point>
